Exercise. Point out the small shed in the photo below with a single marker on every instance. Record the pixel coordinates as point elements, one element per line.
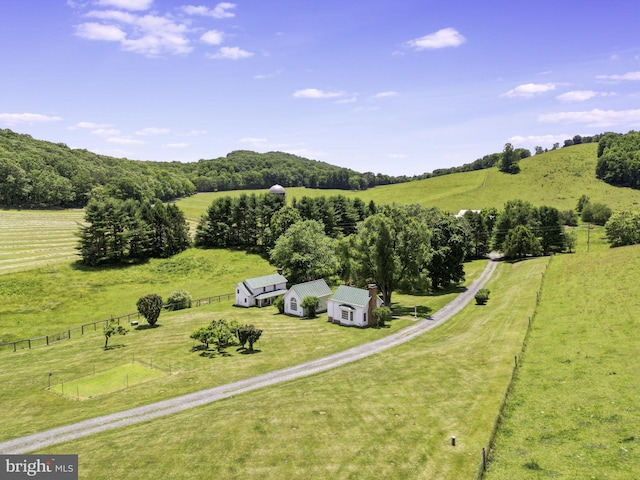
<point>354,306</point>
<point>260,291</point>
<point>296,294</point>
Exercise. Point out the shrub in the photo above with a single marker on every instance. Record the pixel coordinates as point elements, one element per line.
<point>179,299</point>
<point>279,304</point>
<point>381,314</point>
<point>482,297</point>
<point>310,304</point>
<point>150,307</point>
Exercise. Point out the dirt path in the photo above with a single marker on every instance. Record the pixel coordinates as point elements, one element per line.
<point>74,431</point>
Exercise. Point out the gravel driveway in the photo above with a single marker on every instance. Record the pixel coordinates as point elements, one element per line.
<point>104,423</point>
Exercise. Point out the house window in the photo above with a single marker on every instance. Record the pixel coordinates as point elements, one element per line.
<point>347,315</point>
<point>294,305</point>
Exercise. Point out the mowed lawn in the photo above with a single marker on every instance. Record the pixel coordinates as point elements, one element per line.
<point>37,238</point>
<point>387,416</point>
<point>574,412</point>
<point>285,341</point>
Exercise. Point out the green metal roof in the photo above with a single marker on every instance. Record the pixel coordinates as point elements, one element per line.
<point>266,281</point>
<point>275,293</point>
<point>315,288</point>
<point>351,296</point>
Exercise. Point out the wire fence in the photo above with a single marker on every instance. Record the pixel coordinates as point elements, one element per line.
<point>73,332</point>
<point>485,454</point>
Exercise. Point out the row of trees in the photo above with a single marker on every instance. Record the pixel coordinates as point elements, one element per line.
<point>254,222</point>
<point>399,247</point>
<point>123,231</point>
<point>223,333</point>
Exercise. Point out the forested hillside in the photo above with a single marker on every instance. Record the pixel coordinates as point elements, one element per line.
<point>39,174</point>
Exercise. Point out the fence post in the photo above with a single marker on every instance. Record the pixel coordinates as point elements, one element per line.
<point>47,339</point>
<point>82,331</point>
<point>69,332</point>
<point>29,344</point>
<point>484,460</point>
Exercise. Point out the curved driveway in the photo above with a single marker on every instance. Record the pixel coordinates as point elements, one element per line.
<point>144,413</point>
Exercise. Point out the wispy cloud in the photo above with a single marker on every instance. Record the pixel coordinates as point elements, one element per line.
<point>447,37</point>
<point>212,37</point>
<point>582,95</point>
<point>126,4</point>
<point>105,132</point>
<point>177,145</point>
<point>125,141</point>
<point>221,10</point>
<point>315,93</point>
<point>154,33</point>
<point>528,90</point>
<point>630,76</point>
<point>231,53</point>
<point>537,139</point>
<point>595,117</point>
<point>152,131</point>
<point>89,125</point>
<point>26,118</point>
<point>387,94</point>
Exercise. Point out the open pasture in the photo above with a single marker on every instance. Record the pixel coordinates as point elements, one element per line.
<point>285,341</point>
<point>556,178</point>
<point>574,412</point>
<point>37,238</point>
<point>387,416</point>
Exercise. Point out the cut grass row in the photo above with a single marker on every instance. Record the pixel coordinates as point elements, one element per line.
<point>387,416</point>
<point>574,410</point>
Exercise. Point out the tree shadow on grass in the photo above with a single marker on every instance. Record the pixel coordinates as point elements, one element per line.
<point>208,352</point>
<point>246,351</point>
<point>409,311</point>
<point>146,326</point>
<point>115,347</point>
<point>83,267</point>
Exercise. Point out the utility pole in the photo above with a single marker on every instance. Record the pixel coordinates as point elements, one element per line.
<point>588,234</point>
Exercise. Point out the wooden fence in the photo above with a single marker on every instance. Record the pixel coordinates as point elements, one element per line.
<point>93,326</point>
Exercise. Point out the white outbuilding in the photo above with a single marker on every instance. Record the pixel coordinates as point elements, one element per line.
<point>354,306</point>
<point>260,291</point>
<point>295,296</point>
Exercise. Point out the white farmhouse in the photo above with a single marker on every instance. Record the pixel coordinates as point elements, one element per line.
<point>260,291</point>
<point>296,294</point>
<point>354,306</point>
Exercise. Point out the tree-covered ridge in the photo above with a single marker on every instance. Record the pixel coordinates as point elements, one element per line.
<point>39,174</point>
<point>619,159</point>
<point>243,169</point>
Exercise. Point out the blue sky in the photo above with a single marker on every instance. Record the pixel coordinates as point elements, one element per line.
<point>391,86</point>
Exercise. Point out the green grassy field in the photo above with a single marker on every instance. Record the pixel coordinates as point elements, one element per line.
<point>574,411</point>
<point>286,341</point>
<point>48,300</point>
<point>36,238</point>
<point>387,416</point>
<point>108,381</point>
<point>557,178</point>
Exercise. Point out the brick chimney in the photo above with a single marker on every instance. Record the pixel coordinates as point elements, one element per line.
<point>373,304</point>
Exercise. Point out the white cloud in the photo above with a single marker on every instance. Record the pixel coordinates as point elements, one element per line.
<point>219,11</point>
<point>126,4</point>
<point>529,90</point>
<point>633,76</point>
<point>396,156</point>
<point>385,94</point>
<point>98,31</point>
<point>195,133</point>
<point>125,141</point>
<point>315,93</point>
<point>89,125</point>
<point>105,132</point>
<point>253,140</point>
<point>115,15</point>
<point>176,145</point>
<point>537,139</point>
<point>212,37</point>
<point>582,95</point>
<point>152,131</point>
<point>231,53</point>
<point>26,118</point>
<point>595,117</point>
<point>447,37</point>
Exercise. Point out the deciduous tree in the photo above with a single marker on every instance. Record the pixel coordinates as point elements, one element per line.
<point>150,307</point>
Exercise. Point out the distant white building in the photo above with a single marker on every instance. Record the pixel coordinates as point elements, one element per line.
<point>354,306</point>
<point>260,291</point>
<point>462,212</point>
<point>294,297</point>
